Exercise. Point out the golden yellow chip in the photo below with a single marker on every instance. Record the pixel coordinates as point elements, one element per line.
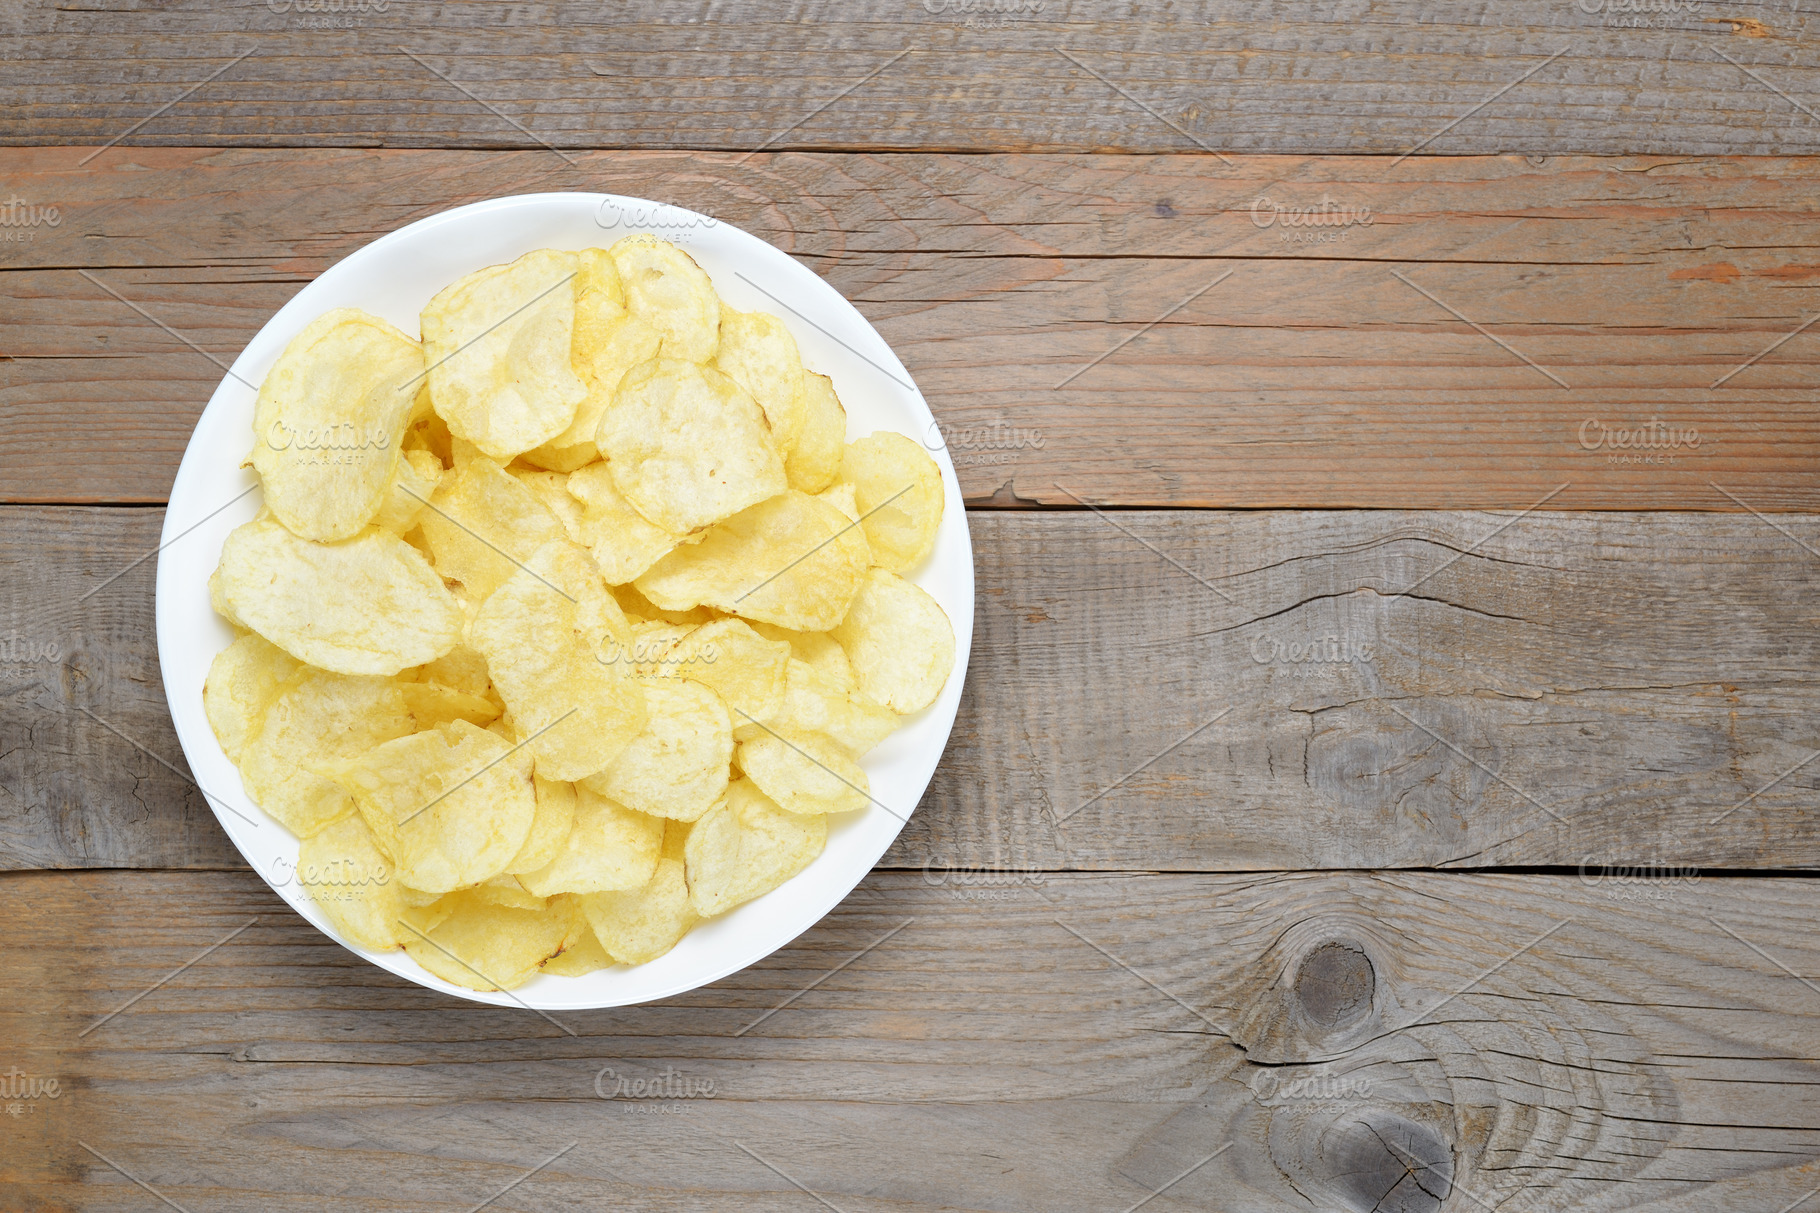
<point>639,925</point>
<point>804,772</point>
<point>318,718</point>
<point>676,767</point>
<point>329,420</point>
<point>745,846</point>
<point>412,485</point>
<point>482,524</point>
<point>669,293</point>
<point>550,827</point>
<point>582,957</point>
<point>459,669</point>
<point>814,461</point>
<point>743,668</point>
<point>793,560</point>
<point>687,446</point>
<point>550,635</point>
<point>637,606</point>
<point>353,883</point>
<point>816,648</point>
<point>430,434</point>
<point>242,682</point>
<point>899,492</point>
<point>843,497</point>
<point>497,347</point>
<point>483,946</point>
<point>814,703</point>
<point>758,353</point>
<point>451,806</point>
<point>218,600</point>
<point>552,488</point>
<point>623,543</point>
<point>899,642</point>
<point>366,605</point>
<point>504,890</point>
<point>610,847</point>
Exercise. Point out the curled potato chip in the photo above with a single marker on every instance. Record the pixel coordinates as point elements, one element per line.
<point>497,346</point>
<point>459,669</point>
<point>793,560</point>
<point>552,488</point>
<point>899,642</point>
<point>483,524</point>
<point>814,460</point>
<point>743,668</point>
<point>624,544</point>
<point>757,352</point>
<point>899,492</point>
<point>637,606</point>
<point>676,767</point>
<point>687,446</point>
<point>550,827</point>
<point>804,773</point>
<point>452,806</point>
<point>636,926</point>
<point>242,682</point>
<point>668,292</point>
<point>818,649</point>
<point>318,718</point>
<point>582,957</point>
<point>814,703</point>
<point>218,601</point>
<point>610,847</point>
<point>549,635</point>
<point>504,890</point>
<point>480,945</point>
<point>413,482</point>
<point>431,704</point>
<point>744,847</point>
<point>353,883</point>
<point>366,605</point>
<point>329,420</point>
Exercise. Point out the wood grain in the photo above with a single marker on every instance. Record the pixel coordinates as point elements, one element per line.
<point>1313,377</point>
<point>1540,1042</point>
<point>1231,75</point>
<point>1401,689</point>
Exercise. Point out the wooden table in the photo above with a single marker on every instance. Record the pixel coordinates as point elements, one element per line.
<point>1387,774</point>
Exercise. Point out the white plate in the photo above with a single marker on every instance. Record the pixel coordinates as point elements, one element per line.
<point>394,277</point>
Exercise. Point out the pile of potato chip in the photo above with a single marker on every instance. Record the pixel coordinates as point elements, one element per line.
<point>568,627</point>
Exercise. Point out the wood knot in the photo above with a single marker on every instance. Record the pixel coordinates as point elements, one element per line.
<point>1334,985</point>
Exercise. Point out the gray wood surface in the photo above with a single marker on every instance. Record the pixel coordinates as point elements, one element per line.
<point>1539,1042</point>
<point>1241,75</point>
<point>1402,689</point>
<point>1025,293</point>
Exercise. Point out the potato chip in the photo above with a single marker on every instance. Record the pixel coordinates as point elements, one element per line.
<point>668,292</point>
<point>582,957</point>
<point>482,524</point>
<point>744,847</point>
<point>329,420</point>
<point>497,347</point>
<point>366,605</point>
<point>550,827</point>
<point>459,669</point>
<point>636,605</point>
<point>639,925</point>
<point>481,946</point>
<point>353,884</point>
<point>452,806</point>
<point>804,773</point>
<point>818,649</point>
<point>623,543</point>
<point>431,704</point>
<point>757,352</point>
<point>218,600</point>
<point>549,635</point>
<point>899,642</point>
<point>608,342</point>
<point>676,767</point>
<point>793,561</point>
<point>610,847</point>
<point>242,682</point>
<point>843,497</point>
<point>687,446</point>
<point>648,654</point>
<point>814,460</point>
<point>318,718</point>
<point>743,668</point>
<point>430,434</point>
<point>552,488</point>
<point>504,890</point>
<point>413,482</point>
<point>814,703</point>
<point>899,490</point>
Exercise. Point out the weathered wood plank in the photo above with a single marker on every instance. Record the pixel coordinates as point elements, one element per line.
<point>1073,1044</point>
<point>1232,75</point>
<point>1634,675</point>
<point>1314,377</point>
